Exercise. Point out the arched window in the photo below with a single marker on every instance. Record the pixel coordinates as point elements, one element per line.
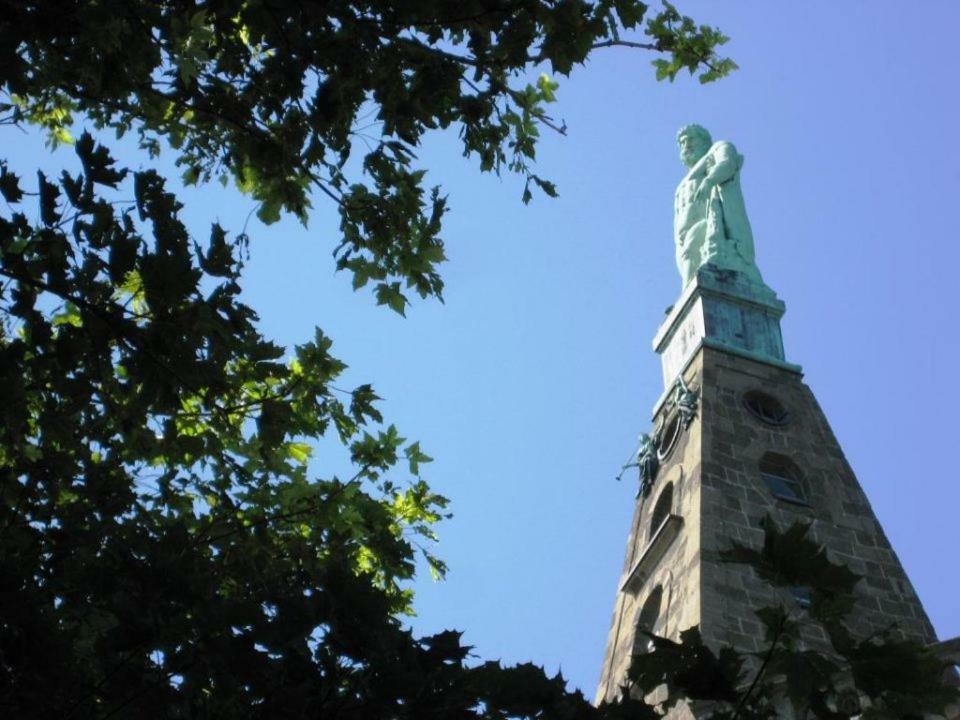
<point>661,510</point>
<point>766,408</point>
<point>782,477</point>
<point>647,621</point>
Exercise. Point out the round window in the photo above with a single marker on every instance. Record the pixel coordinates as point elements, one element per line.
<point>667,439</point>
<point>766,408</point>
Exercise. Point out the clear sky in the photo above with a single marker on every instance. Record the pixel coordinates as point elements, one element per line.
<point>530,384</point>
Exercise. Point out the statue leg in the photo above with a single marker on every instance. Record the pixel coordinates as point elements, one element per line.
<point>687,266</point>
<point>690,254</point>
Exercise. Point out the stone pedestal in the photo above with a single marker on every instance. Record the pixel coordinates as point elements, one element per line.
<point>721,309</point>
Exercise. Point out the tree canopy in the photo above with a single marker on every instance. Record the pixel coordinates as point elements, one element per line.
<point>171,546</point>
<point>278,96</point>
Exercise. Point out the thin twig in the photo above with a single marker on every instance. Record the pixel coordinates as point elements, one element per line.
<point>763,666</point>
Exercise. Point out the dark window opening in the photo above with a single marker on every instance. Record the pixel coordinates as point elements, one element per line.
<point>782,478</point>
<point>647,621</point>
<point>669,436</point>
<point>661,511</point>
<point>766,408</point>
<point>802,596</point>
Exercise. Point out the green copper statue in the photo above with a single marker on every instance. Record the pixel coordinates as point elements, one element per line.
<point>709,217</point>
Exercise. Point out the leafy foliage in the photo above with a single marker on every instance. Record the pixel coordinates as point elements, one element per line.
<point>687,665</point>
<point>169,548</point>
<point>163,542</point>
<point>792,559</point>
<point>284,97</point>
<point>172,547</point>
<point>884,676</point>
<point>165,553</point>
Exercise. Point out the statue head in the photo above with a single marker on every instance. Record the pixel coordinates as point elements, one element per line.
<point>694,141</point>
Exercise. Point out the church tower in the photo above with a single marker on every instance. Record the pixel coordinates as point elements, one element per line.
<point>737,436</point>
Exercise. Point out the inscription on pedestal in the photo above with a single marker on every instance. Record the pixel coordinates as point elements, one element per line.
<point>683,343</point>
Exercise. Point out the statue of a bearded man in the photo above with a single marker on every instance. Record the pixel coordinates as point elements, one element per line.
<point>709,217</point>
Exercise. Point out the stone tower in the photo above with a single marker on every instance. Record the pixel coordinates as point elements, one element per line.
<point>737,437</point>
<point>757,445</point>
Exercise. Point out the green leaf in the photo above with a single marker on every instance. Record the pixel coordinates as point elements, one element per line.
<point>69,316</point>
<point>218,260</point>
<point>300,452</point>
<point>48,201</point>
<point>191,175</point>
<point>67,496</point>
<point>391,296</point>
<point>547,87</point>
<point>548,187</point>
<point>630,12</point>
<point>32,452</point>
<point>415,456</point>
<point>132,289</point>
<point>269,211</point>
<point>18,245</point>
<point>9,185</point>
<point>97,163</point>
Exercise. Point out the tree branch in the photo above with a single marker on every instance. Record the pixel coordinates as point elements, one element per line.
<point>763,666</point>
<point>540,57</point>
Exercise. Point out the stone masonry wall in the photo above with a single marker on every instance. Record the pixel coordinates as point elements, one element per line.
<point>676,570</point>
<point>718,493</point>
<point>735,500</point>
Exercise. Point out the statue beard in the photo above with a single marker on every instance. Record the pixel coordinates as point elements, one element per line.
<point>692,155</point>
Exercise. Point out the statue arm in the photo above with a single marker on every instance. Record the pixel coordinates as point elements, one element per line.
<point>726,163</point>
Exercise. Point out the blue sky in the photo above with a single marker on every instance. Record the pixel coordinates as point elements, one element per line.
<point>530,384</point>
